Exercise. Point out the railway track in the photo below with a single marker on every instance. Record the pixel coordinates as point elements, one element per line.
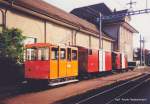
<point>109,94</point>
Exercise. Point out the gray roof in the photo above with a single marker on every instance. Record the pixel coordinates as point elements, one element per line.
<point>91,13</point>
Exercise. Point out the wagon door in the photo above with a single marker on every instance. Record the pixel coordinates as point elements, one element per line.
<point>108,61</point>
<point>118,61</point>
<point>62,63</point>
<point>69,65</point>
<point>82,60</point>
<point>92,61</point>
<point>54,63</point>
<point>113,61</point>
<point>74,62</point>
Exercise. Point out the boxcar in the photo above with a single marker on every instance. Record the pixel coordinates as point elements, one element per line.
<point>88,60</point>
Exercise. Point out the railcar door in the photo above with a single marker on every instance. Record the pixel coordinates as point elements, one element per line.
<point>62,62</point>
<point>82,60</point>
<point>54,56</point>
<point>114,55</point>
<point>108,61</point>
<point>92,61</point>
<point>74,62</point>
<point>69,65</point>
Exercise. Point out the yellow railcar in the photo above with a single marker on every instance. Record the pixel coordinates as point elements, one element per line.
<point>56,63</point>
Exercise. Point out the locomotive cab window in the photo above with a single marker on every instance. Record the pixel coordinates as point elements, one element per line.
<point>62,53</point>
<point>74,54</point>
<point>31,54</point>
<point>43,54</point>
<point>54,53</point>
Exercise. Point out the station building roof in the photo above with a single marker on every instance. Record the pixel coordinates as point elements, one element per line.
<point>43,8</point>
<point>51,11</point>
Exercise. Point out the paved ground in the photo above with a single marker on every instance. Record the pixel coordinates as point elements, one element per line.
<point>135,91</point>
<point>52,95</point>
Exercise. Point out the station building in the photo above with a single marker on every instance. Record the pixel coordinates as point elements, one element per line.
<point>43,22</point>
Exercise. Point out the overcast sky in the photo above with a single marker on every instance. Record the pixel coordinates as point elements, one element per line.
<point>140,22</point>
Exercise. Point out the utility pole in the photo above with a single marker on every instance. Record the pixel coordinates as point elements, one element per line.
<point>100,31</point>
<point>143,51</point>
<point>140,50</point>
<point>100,25</point>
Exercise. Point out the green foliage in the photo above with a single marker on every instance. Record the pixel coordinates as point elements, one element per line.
<point>11,44</point>
<point>11,56</point>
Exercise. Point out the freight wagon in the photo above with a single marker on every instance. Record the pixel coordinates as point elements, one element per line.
<point>88,61</point>
<point>119,61</point>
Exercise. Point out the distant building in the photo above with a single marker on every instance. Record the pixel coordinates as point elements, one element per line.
<point>142,55</point>
<point>118,29</point>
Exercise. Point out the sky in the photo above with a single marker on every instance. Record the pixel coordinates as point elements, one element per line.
<point>139,22</point>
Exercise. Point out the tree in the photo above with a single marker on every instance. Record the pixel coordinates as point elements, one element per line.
<point>11,55</point>
<point>11,44</point>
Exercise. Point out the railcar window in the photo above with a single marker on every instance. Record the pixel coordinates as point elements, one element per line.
<point>54,54</point>
<point>31,54</point>
<point>69,54</point>
<point>28,56</point>
<point>43,54</point>
<point>74,54</point>
<point>62,53</point>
